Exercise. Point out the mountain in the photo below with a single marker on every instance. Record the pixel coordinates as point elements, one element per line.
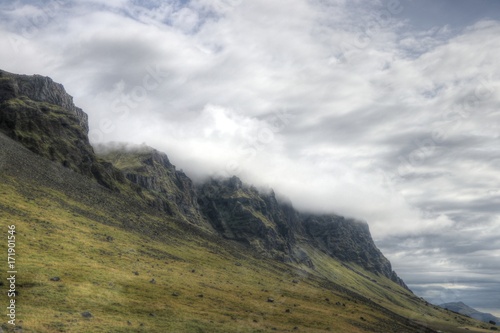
<point>240,212</point>
<point>122,241</point>
<point>166,187</point>
<point>38,113</point>
<point>460,307</point>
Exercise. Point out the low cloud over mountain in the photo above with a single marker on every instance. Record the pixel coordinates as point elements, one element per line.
<point>378,111</point>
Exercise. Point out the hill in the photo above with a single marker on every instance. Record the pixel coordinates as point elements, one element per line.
<point>466,310</point>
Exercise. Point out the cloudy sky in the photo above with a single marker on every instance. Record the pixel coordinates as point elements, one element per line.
<point>386,111</point>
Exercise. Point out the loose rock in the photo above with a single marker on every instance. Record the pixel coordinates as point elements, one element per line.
<point>86,314</point>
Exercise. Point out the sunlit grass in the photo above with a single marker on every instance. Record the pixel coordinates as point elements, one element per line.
<point>180,282</point>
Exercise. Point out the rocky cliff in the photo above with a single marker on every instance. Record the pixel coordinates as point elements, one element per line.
<point>242,213</point>
<point>349,241</point>
<point>38,113</point>
<point>166,188</point>
<point>272,228</point>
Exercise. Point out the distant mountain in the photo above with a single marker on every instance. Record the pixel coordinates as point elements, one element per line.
<point>464,309</point>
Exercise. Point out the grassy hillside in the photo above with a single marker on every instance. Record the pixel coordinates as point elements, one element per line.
<point>136,270</point>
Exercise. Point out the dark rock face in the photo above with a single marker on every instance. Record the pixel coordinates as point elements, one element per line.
<point>38,113</point>
<point>42,89</point>
<point>349,241</point>
<point>241,213</point>
<point>166,188</point>
<point>277,230</point>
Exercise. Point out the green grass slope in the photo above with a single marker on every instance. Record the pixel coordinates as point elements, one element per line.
<point>136,270</point>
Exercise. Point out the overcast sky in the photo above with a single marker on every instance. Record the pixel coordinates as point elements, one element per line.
<point>386,111</point>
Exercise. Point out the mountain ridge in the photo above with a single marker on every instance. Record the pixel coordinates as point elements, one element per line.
<point>259,264</point>
<point>240,212</point>
<point>236,210</point>
<point>462,308</point>
<point>124,261</point>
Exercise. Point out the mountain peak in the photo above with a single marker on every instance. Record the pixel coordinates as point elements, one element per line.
<point>38,113</point>
<point>166,187</point>
<point>462,308</point>
<point>40,88</point>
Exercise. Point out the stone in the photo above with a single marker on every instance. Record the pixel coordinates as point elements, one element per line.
<point>86,314</point>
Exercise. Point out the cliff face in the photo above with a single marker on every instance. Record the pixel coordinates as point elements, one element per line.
<point>38,113</point>
<point>277,230</point>
<point>349,241</point>
<point>42,89</point>
<point>240,212</point>
<point>165,187</point>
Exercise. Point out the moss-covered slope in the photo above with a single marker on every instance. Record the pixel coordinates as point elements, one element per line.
<point>81,248</point>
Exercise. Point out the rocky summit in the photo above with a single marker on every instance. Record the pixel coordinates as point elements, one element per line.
<point>137,246</point>
<point>38,113</point>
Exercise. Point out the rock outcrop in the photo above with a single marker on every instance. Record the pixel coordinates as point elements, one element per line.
<point>242,213</point>
<point>38,113</point>
<point>42,89</point>
<point>349,241</point>
<point>275,229</point>
<point>165,187</point>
